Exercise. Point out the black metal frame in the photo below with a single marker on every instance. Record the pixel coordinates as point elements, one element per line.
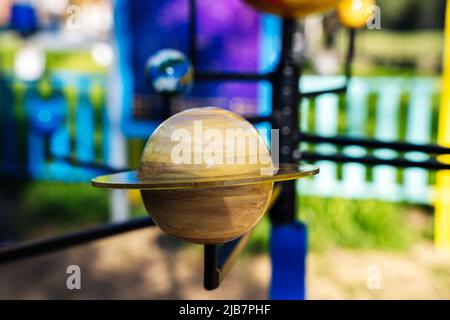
<point>219,259</point>
<point>33,248</point>
<point>286,96</point>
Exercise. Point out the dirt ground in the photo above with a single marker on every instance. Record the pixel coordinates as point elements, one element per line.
<point>148,265</point>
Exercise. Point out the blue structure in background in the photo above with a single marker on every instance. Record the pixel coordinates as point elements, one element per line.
<point>46,115</point>
<point>46,124</point>
<point>288,250</point>
<point>224,43</point>
<point>23,18</point>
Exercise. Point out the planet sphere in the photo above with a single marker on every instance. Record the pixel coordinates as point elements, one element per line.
<point>169,72</point>
<point>293,8</point>
<point>203,143</point>
<point>355,13</point>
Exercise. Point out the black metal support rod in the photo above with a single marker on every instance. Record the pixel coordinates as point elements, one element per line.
<point>285,100</point>
<point>258,119</point>
<point>313,94</point>
<point>219,259</point>
<point>373,161</point>
<point>33,248</point>
<point>211,278</point>
<point>166,107</point>
<point>347,70</point>
<point>232,76</point>
<point>350,53</point>
<point>376,144</point>
<point>88,164</point>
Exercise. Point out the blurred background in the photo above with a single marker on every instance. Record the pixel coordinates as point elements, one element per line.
<point>74,104</point>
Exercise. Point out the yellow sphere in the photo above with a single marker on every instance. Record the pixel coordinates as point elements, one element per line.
<point>293,8</point>
<point>355,13</point>
<point>206,143</point>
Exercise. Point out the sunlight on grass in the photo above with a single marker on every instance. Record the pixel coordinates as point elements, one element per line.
<point>335,222</point>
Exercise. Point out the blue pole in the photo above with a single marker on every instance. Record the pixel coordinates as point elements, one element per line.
<point>288,249</point>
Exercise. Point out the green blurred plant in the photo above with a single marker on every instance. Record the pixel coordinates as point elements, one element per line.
<point>335,222</point>
<point>355,223</point>
<point>60,205</point>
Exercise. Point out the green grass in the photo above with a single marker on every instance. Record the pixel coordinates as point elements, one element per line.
<point>335,222</point>
<point>56,205</point>
<point>386,52</point>
<point>79,61</point>
<point>407,46</point>
<point>356,223</point>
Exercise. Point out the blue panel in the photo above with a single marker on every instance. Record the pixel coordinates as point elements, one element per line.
<point>105,125</point>
<point>45,117</point>
<point>288,248</point>
<point>36,150</point>
<point>23,18</point>
<point>85,129</point>
<point>268,57</point>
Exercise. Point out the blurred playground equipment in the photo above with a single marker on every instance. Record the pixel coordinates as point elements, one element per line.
<point>68,127</point>
<point>67,124</point>
<point>385,108</point>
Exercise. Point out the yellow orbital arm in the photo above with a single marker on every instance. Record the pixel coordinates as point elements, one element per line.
<point>442,200</point>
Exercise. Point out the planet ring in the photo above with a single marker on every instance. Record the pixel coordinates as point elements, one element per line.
<point>131,180</point>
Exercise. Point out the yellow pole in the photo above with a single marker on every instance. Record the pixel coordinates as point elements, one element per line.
<point>442,200</point>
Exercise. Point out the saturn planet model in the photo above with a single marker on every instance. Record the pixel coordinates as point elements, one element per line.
<point>206,176</point>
